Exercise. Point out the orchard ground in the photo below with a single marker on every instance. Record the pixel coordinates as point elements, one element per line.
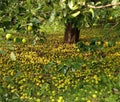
<point>56,72</point>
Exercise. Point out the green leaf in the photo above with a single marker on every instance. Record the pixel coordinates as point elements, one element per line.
<point>2,52</point>
<point>114,2</point>
<point>1,39</point>
<point>75,14</point>
<point>111,98</point>
<point>64,13</point>
<point>18,74</point>
<point>30,24</point>
<point>11,48</point>
<point>63,0</point>
<point>87,25</point>
<point>111,43</point>
<point>80,44</point>
<point>12,56</point>
<point>1,90</point>
<point>92,12</point>
<point>62,4</point>
<point>98,3</point>
<point>70,4</point>
<point>28,3</point>
<point>1,30</point>
<point>52,17</point>
<point>82,2</point>
<point>118,80</point>
<point>36,21</point>
<point>7,78</point>
<point>103,49</point>
<point>75,7</point>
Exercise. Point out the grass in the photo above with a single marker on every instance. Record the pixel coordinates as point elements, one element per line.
<point>58,72</point>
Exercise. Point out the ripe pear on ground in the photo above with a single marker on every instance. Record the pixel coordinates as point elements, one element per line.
<point>29,28</point>
<point>8,36</point>
<point>24,40</point>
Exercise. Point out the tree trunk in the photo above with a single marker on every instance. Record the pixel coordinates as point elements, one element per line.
<point>71,34</point>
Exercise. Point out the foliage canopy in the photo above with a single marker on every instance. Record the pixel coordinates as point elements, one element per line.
<point>24,12</point>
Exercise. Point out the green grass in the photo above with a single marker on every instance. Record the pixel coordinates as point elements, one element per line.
<point>57,72</point>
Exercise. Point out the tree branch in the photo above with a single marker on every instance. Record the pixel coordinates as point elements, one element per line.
<point>104,6</point>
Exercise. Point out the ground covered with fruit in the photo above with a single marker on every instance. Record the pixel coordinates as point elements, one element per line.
<point>52,71</point>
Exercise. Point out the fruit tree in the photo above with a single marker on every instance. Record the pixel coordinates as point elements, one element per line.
<point>75,14</point>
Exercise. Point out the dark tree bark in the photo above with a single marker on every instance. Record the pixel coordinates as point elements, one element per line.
<point>71,34</point>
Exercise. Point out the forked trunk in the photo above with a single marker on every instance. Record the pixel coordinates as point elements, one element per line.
<point>71,34</point>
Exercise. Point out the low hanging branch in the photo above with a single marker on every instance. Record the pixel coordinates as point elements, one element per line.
<point>104,6</point>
